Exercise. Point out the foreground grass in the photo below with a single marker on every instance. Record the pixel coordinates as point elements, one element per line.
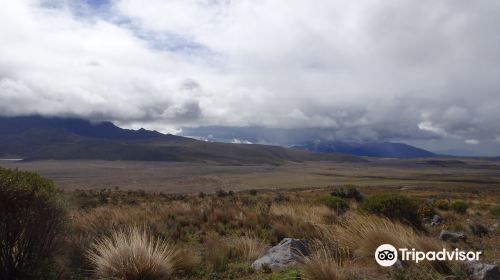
<point>218,236</point>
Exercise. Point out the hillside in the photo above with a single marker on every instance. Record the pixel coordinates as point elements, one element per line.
<point>58,138</point>
<point>384,149</point>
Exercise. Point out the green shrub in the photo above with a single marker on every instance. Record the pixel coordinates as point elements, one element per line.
<point>32,217</point>
<point>393,206</point>
<point>478,229</point>
<point>459,206</point>
<point>426,210</point>
<point>495,211</point>
<point>350,193</point>
<point>335,203</point>
<point>442,204</point>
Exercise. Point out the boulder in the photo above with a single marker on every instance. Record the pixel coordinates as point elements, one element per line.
<point>288,252</point>
<point>482,271</point>
<point>494,227</point>
<point>437,219</point>
<point>447,235</point>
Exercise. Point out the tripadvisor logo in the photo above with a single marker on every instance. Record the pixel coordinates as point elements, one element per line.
<point>387,255</point>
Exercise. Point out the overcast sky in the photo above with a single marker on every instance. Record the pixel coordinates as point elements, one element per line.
<point>424,72</point>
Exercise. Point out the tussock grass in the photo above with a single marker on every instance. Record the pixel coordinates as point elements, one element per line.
<point>247,248</point>
<point>131,254</point>
<point>362,234</point>
<point>324,263</point>
<point>315,214</point>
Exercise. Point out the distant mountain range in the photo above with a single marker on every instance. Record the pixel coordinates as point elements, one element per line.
<point>383,149</point>
<point>311,139</point>
<point>36,137</point>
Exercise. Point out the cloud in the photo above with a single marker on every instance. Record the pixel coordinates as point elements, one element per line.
<point>368,70</point>
<point>472,141</point>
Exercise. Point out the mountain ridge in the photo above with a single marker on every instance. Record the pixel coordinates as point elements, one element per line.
<point>36,137</point>
<point>371,149</point>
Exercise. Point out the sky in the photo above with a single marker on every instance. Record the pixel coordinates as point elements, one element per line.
<point>420,72</point>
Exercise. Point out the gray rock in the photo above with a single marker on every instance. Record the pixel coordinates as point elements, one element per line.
<point>447,235</point>
<point>482,271</point>
<point>494,227</point>
<point>288,252</point>
<point>437,219</point>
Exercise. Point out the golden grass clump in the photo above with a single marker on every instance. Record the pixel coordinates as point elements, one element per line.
<point>324,263</point>
<point>132,254</point>
<point>362,234</point>
<point>314,214</point>
<point>247,248</point>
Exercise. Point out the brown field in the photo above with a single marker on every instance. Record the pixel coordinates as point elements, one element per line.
<point>214,220</point>
<point>171,177</point>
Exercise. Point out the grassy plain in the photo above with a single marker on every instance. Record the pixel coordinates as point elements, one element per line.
<point>171,177</point>
<point>216,219</point>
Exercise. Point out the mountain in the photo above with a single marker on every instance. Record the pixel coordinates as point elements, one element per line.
<point>36,137</point>
<point>383,149</point>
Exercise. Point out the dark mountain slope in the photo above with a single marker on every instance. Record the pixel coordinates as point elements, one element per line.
<point>384,149</point>
<point>53,138</point>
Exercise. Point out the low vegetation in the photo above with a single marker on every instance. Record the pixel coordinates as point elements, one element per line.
<point>122,234</point>
<point>393,206</point>
<point>133,254</point>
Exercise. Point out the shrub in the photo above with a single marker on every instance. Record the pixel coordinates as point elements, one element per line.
<point>393,206</point>
<point>442,204</point>
<point>335,203</point>
<point>221,193</point>
<point>32,217</point>
<point>478,229</point>
<point>495,211</point>
<point>133,254</point>
<point>459,206</point>
<point>351,193</point>
<point>426,210</point>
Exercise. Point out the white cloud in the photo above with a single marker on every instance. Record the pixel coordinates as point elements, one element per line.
<point>472,141</point>
<point>377,69</point>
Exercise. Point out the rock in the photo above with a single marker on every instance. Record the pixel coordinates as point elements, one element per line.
<point>288,252</point>
<point>482,271</point>
<point>494,227</point>
<point>447,235</point>
<point>478,229</point>
<point>436,219</point>
<point>451,277</point>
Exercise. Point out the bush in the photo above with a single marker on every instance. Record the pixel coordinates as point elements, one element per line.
<point>393,206</point>
<point>426,210</point>
<point>495,211</point>
<point>350,193</point>
<point>442,204</point>
<point>478,229</point>
<point>32,217</point>
<point>221,193</point>
<point>459,206</point>
<point>335,203</point>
